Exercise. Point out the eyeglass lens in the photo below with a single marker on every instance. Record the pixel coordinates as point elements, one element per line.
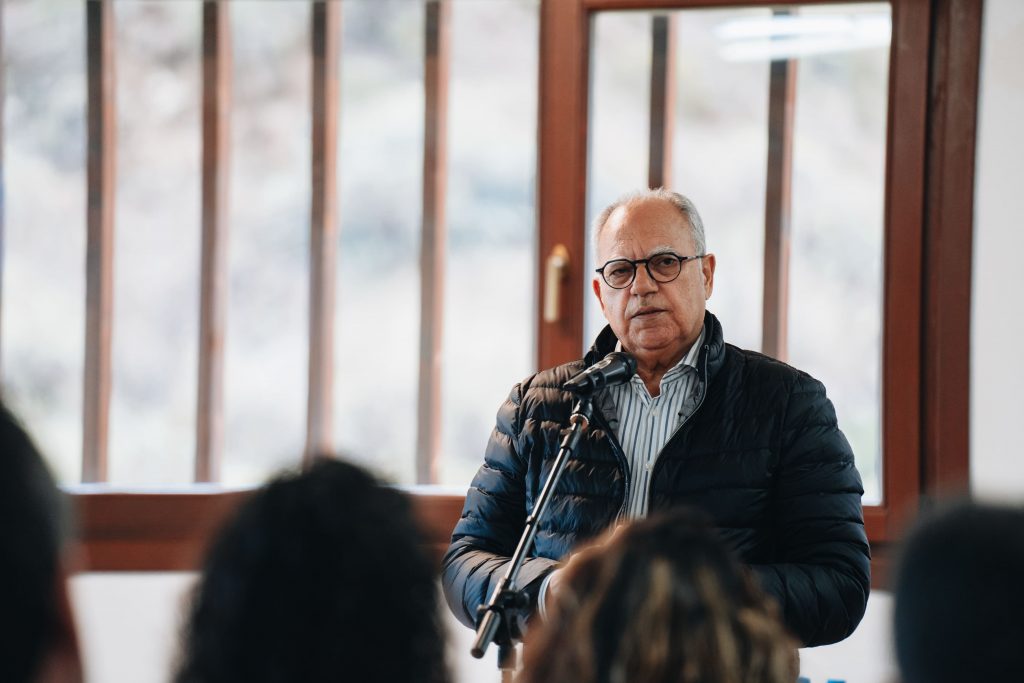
<point>662,268</point>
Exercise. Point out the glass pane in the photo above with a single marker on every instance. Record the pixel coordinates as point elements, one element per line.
<point>719,160</point>
<point>835,326</point>
<point>44,225</point>
<point>266,345</point>
<point>489,283</point>
<point>620,93</point>
<point>718,149</point>
<point>156,243</point>
<point>381,171</point>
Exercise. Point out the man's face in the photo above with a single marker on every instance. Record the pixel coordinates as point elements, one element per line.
<point>653,320</point>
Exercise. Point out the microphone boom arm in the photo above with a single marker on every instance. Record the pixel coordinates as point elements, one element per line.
<point>503,617</point>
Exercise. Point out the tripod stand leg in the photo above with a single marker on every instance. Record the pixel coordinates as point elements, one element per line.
<point>507,662</point>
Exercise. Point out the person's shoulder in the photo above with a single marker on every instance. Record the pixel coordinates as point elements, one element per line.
<point>761,368</point>
<point>551,379</point>
<point>538,396</point>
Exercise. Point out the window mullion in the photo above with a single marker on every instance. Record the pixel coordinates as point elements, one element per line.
<point>214,266</point>
<point>432,246</point>
<point>663,99</point>
<point>778,206</point>
<point>99,270</point>
<point>326,18</point>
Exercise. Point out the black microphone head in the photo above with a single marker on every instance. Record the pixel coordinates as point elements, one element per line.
<point>615,368</point>
<point>629,363</point>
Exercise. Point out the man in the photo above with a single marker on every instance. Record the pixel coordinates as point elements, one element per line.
<point>750,440</point>
<point>37,634</point>
<point>958,596</point>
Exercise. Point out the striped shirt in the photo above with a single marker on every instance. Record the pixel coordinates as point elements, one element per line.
<point>644,424</point>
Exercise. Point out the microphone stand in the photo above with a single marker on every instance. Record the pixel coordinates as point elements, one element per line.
<point>503,618</point>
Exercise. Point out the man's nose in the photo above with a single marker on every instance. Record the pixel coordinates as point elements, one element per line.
<point>643,283</point>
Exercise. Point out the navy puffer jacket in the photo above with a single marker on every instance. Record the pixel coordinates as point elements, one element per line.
<point>762,454</point>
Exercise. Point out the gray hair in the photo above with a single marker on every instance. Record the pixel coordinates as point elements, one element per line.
<point>682,203</point>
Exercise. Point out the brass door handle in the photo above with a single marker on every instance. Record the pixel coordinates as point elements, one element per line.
<point>554,274</point>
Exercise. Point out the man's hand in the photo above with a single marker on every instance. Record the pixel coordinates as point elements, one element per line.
<point>555,581</point>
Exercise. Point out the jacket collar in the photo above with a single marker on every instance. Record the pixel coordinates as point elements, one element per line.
<point>712,353</point>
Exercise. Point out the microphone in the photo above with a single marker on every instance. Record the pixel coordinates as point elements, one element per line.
<point>615,368</point>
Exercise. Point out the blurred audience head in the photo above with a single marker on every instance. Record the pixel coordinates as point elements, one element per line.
<point>321,576</point>
<point>959,596</point>
<point>659,600</point>
<point>37,634</point>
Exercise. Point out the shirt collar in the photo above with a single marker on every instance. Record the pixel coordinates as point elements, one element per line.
<point>689,358</point>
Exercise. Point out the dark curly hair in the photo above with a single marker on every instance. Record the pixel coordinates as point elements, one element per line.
<point>33,528</point>
<point>321,576</point>
<point>660,600</point>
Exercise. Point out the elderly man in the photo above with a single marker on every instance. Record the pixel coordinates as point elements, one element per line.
<point>748,439</point>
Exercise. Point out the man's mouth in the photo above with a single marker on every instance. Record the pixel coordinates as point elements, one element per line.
<point>646,310</point>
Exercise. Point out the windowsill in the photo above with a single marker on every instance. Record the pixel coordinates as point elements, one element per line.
<point>168,529</point>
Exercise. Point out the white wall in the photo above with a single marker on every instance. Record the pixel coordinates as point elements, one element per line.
<point>129,621</point>
<point>129,625</point>
<point>997,306</point>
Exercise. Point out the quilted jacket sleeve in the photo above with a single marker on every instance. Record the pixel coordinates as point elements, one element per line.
<point>492,522</point>
<point>821,578</point>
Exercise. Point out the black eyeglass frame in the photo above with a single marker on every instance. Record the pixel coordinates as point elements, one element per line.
<point>647,267</point>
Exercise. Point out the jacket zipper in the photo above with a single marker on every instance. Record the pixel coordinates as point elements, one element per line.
<point>652,465</point>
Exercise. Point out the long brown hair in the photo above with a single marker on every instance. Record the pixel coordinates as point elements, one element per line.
<point>660,601</point>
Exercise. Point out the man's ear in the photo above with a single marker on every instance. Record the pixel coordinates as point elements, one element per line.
<point>597,292</point>
<point>707,266</point>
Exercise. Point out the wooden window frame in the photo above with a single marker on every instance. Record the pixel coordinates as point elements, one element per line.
<point>122,531</point>
<point>926,334</point>
<point>928,226</point>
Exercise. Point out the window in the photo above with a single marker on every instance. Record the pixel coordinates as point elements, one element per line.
<point>923,416</point>
<point>837,58</point>
<point>512,210</point>
<point>163,186</point>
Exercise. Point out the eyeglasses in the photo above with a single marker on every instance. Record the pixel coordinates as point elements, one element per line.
<point>665,267</point>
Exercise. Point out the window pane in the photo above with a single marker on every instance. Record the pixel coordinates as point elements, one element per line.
<point>44,225</point>
<point>156,243</point>
<point>719,148</point>
<point>266,345</point>
<point>620,93</point>
<point>835,324</point>
<point>489,288</point>
<point>720,152</point>
<point>381,183</point>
